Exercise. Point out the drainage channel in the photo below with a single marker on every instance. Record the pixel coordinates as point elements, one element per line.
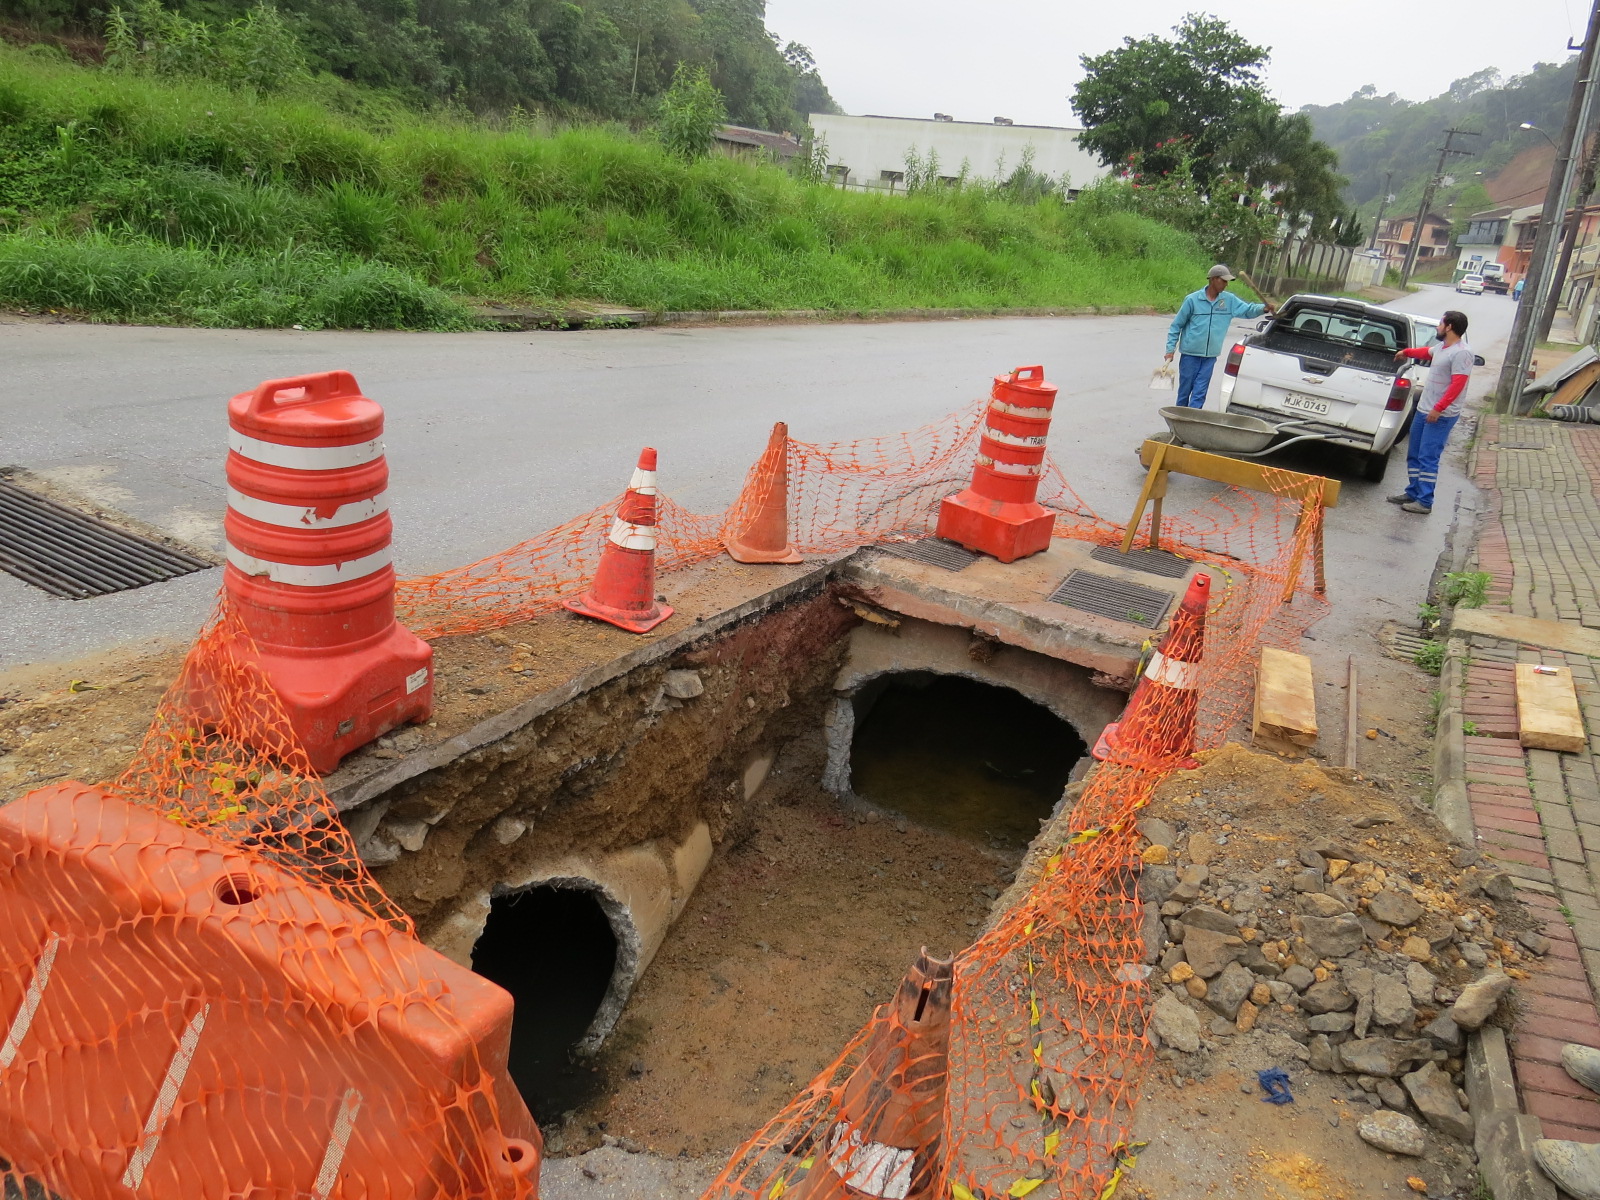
<point>698,875</point>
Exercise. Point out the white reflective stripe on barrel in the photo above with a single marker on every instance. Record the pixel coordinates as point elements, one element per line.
<point>872,1168</point>
<point>294,516</point>
<point>304,458</point>
<point>1016,410</point>
<point>633,537</point>
<point>30,1001</point>
<point>1172,672</point>
<point>166,1100</point>
<point>311,575</point>
<point>344,1124</point>
<point>1011,439</point>
<point>643,482</point>
<point>1000,468</point>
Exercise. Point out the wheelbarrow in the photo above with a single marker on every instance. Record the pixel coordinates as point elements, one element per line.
<point>1228,433</point>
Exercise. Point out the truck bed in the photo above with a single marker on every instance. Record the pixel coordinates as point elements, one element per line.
<point>1318,355</point>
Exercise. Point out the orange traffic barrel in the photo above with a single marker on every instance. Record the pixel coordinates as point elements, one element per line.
<point>998,513</point>
<point>309,568</point>
<point>182,1020</point>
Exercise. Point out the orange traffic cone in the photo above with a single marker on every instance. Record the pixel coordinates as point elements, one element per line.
<point>1158,726</point>
<point>886,1139</point>
<point>624,589</point>
<point>763,509</point>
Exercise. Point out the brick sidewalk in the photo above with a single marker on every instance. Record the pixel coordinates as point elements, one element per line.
<point>1537,811</point>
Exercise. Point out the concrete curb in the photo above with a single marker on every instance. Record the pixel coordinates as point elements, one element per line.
<point>1504,1134</point>
<point>1450,802</point>
<point>778,316</point>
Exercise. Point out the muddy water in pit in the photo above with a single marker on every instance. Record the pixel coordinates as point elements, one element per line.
<point>797,931</point>
<point>978,761</point>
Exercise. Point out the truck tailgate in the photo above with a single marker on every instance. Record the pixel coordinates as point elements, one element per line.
<point>1293,385</point>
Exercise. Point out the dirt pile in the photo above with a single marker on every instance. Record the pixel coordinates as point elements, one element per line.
<point>1302,913</point>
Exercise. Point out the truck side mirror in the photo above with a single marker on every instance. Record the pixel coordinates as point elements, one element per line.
<point>1477,360</point>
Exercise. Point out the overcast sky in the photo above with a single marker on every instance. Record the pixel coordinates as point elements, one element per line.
<point>979,59</point>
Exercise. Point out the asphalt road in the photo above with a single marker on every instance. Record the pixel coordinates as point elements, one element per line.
<point>492,437</point>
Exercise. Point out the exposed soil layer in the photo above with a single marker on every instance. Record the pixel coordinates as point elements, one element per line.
<point>48,731</point>
<point>797,931</point>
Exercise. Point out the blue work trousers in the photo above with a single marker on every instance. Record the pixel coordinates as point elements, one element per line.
<point>1422,457</point>
<point>1194,378</point>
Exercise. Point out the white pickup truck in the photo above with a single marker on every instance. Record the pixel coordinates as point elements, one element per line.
<point>1324,368</point>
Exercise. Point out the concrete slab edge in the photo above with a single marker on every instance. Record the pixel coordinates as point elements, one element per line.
<point>1450,803</point>
<point>1505,1135</point>
<point>355,792</point>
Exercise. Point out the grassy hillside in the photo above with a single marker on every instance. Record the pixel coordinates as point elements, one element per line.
<point>136,199</point>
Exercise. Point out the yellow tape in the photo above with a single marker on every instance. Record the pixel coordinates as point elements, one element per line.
<point>1023,1186</point>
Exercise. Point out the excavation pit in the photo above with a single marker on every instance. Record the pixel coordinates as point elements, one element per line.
<point>701,857</point>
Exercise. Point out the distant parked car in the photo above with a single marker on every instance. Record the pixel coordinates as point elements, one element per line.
<point>1472,285</point>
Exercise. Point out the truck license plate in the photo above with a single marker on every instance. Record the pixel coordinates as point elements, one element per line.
<point>1310,404</point>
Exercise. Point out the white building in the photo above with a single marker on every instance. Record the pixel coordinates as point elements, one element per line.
<point>870,152</point>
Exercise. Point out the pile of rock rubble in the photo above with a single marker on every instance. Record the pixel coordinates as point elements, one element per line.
<point>1378,951</point>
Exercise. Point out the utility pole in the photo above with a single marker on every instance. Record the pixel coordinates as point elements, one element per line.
<point>1524,330</point>
<point>1377,222</point>
<point>1586,178</point>
<point>1445,152</point>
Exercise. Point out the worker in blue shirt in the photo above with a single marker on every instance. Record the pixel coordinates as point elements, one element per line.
<point>1199,330</point>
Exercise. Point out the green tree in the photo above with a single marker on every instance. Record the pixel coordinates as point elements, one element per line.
<point>1150,91</point>
<point>1280,152</point>
<point>257,50</point>
<point>690,113</point>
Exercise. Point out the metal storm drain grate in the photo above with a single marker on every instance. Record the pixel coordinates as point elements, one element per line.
<point>936,552</point>
<point>71,554</point>
<point>1114,598</point>
<point>1151,562</point>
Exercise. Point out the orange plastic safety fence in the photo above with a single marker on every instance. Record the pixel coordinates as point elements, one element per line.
<point>1047,1041</point>
<point>1044,1035</point>
<point>210,996</point>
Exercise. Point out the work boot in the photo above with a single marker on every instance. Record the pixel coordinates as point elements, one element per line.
<point>1411,506</point>
<point>1399,498</point>
<point>1583,1064</point>
<point>1573,1166</point>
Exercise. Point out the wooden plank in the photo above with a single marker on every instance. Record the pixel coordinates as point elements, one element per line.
<point>1547,709</point>
<point>1572,389</point>
<point>1238,472</point>
<point>1566,636</point>
<point>1286,701</point>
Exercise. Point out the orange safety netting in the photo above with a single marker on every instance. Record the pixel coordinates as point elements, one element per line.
<point>1045,1035</point>
<point>1047,1041</point>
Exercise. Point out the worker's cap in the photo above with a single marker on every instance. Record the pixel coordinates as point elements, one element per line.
<point>1219,272</point>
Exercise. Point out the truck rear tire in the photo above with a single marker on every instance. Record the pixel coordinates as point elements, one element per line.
<point>1373,469</point>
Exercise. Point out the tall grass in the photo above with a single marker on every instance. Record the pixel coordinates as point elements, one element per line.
<point>133,198</point>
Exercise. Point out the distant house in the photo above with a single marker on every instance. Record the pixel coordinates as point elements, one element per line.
<point>869,153</point>
<point>737,141</point>
<point>1483,240</point>
<point>1394,238</point>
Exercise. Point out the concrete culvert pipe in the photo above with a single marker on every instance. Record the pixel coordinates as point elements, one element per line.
<point>954,753</point>
<point>553,948</point>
